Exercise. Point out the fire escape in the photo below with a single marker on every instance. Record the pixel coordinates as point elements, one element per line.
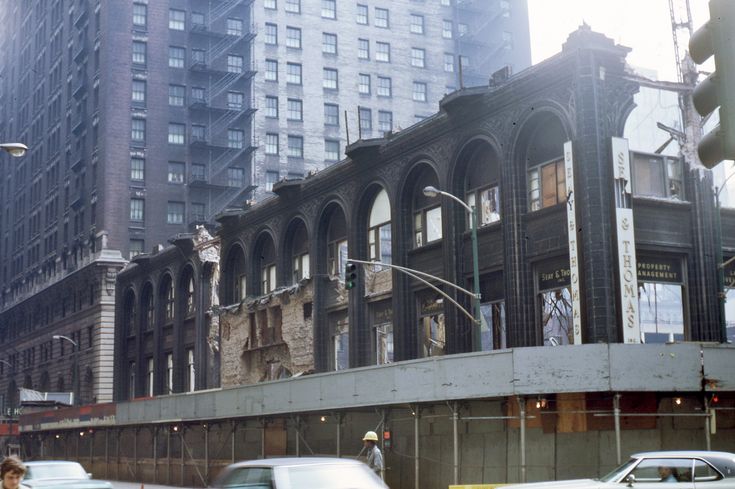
<point>477,23</point>
<point>221,111</point>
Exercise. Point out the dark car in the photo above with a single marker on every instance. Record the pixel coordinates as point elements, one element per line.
<point>691,469</point>
<point>299,473</point>
<point>64,475</point>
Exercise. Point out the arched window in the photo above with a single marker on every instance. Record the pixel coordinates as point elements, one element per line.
<point>148,308</point>
<point>166,300</point>
<point>481,188</point>
<point>299,244</point>
<point>186,292</point>
<point>234,283</point>
<point>379,233</point>
<point>265,261</point>
<point>337,252</point>
<point>545,164</point>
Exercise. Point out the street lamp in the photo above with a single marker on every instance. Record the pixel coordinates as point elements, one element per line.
<point>15,149</point>
<point>434,192</point>
<point>76,363</point>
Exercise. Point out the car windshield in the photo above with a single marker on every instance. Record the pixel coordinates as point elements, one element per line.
<point>55,471</point>
<point>615,474</point>
<point>337,476</point>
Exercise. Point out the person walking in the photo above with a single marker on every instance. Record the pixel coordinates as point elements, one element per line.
<point>12,471</point>
<point>374,455</point>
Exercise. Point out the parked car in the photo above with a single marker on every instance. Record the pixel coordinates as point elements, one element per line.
<point>685,469</point>
<point>62,475</point>
<point>300,473</point>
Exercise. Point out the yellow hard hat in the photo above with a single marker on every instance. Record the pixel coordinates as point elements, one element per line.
<point>370,436</point>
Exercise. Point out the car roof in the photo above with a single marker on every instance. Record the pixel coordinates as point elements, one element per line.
<point>723,461</point>
<point>50,462</point>
<point>294,461</point>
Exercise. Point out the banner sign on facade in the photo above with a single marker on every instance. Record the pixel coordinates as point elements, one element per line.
<point>573,249</point>
<point>553,276</point>
<point>660,269</point>
<point>627,267</point>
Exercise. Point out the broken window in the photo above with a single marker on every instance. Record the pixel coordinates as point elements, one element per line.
<point>340,328</point>
<point>337,258</point>
<point>492,331</point>
<point>555,302</point>
<point>546,185</point>
<point>432,329</point>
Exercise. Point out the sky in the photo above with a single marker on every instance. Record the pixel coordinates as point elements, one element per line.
<point>644,25</point>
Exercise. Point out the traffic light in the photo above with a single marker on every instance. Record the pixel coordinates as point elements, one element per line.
<point>350,275</point>
<point>718,89</point>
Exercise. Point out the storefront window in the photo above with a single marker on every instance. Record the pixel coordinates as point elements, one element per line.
<point>555,303</point>
<point>431,326</point>
<point>381,314</point>
<point>660,299</point>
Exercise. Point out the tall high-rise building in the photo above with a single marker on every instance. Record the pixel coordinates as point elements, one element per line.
<point>145,117</point>
<point>333,71</point>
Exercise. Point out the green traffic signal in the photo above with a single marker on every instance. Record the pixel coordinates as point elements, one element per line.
<point>350,275</point>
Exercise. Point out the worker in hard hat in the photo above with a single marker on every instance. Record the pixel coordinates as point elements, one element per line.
<point>374,455</point>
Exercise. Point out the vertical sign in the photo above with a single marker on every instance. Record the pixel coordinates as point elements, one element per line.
<point>627,268</point>
<point>573,248</point>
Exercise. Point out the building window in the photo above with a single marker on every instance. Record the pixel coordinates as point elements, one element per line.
<point>190,371</point>
<point>198,57</point>
<point>235,100</point>
<point>382,52</point>
<point>198,212</point>
<point>235,177</point>
<point>301,267</point>
<point>295,146</point>
<point>270,4</point>
<point>198,172</point>
<point>131,380</point>
<point>176,133</point>
<point>295,109</point>
<point>140,14</point>
<point>385,87</point>
<point>235,138</point>
<point>381,320</point>
<point>271,70</point>
<point>331,150</point>
<point>488,210</point>
<point>293,6</point>
<point>176,20</point>
<point>137,133</point>
<point>427,226</point>
<point>362,14</point>
<point>293,73</point>
<point>293,37</point>
<point>340,329</point>
<point>175,213</point>
<point>462,29</point>
<point>235,63</point>
<point>661,298</point>
<point>331,115</point>
<point>235,27</point>
<point>417,24</point>
<point>364,84</point>
<point>176,95</point>
<point>329,43</point>
<point>149,378</point>
<point>366,119</point>
<point>418,57</point>
<point>176,56</point>
<point>730,299</point>
<point>493,335</point>
<point>379,231</point>
<point>657,176</point>
<point>137,209</point>
<point>382,18</point>
<point>555,303</point>
<point>449,62</point>
<point>136,247</point>
<point>175,172</point>
<point>198,133</point>
<point>139,52</point>
<point>197,19</point>
<point>329,9</point>
<point>363,49</point>
<point>138,96</point>
<point>271,106</point>
<point>271,34</point>
<point>431,325</point>
<point>268,277</point>
<point>271,178</point>
<point>330,80</point>
<point>419,91</point>
<point>137,169</point>
<point>271,144</point>
<point>169,373</point>
<point>447,29</point>
<point>546,185</point>
<point>198,95</point>
<point>385,121</point>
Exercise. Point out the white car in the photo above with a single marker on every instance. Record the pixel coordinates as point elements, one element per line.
<point>299,473</point>
<point>54,474</point>
<point>664,470</point>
